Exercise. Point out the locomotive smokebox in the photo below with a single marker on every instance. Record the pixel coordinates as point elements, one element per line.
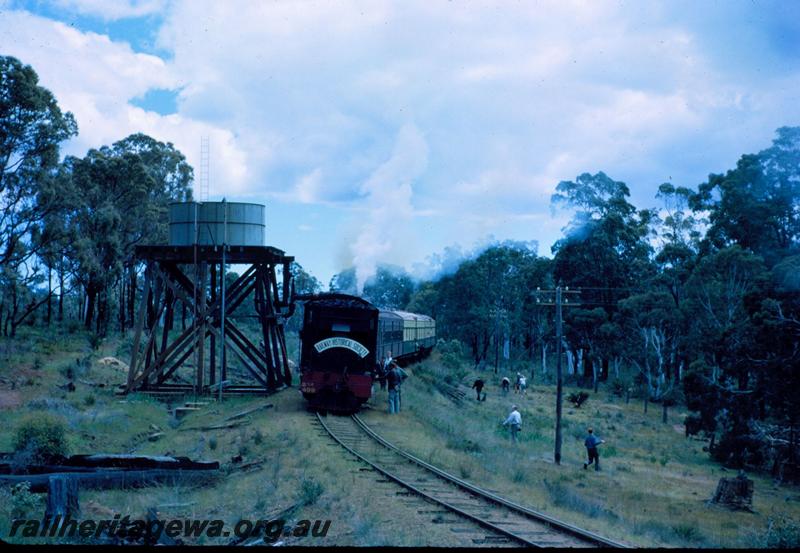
<point>216,223</point>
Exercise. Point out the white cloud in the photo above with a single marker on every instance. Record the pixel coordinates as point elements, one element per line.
<point>303,100</point>
<point>95,78</point>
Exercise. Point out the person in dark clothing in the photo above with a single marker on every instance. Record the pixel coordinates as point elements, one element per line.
<point>380,374</point>
<point>386,365</point>
<point>505,385</point>
<point>478,386</point>
<point>393,378</point>
<point>591,442</point>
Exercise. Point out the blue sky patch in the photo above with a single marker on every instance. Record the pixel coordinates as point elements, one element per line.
<point>159,100</point>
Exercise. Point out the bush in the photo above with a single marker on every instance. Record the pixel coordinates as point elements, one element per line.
<point>578,399</point>
<point>688,532</point>
<point>451,353</point>
<point>781,533</point>
<point>23,502</point>
<point>42,435</point>
<point>212,443</point>
<point>310,491</point>
<point>89,400</point>
<point>68,371</point>
<point>95,341</point>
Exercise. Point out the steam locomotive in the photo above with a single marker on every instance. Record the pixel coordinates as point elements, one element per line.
<point>342,341</point>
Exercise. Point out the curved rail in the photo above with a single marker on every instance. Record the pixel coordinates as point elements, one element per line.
<point>548,532</point>
<point>556,524</point>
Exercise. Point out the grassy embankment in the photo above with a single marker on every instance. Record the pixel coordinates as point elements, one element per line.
<point>299,469</point>
<point>652,489</point>
<point>653,486</point>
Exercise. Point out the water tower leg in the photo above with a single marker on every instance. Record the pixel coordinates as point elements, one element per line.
<point>201,327</point>
<point>212,353</point>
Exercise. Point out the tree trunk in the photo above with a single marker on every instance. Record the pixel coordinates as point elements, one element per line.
<point>61,290</point>
<point>62,496</point>
<point>121,308</point>
<point>588,367</point>
<point>131,292</point>
<point>664,412</point>
<point>49,293</point>
<point>544,358</point>
<point>91,296</point>
<point>595,374</point>
<point>14,310</point>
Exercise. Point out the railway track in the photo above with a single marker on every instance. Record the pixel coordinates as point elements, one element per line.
<point>493,519</point>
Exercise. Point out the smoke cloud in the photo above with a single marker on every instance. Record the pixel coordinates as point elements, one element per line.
<point>388,193</point>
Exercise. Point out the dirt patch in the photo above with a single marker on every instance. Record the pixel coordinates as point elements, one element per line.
<point>114,363</point>
<point>10,399</point>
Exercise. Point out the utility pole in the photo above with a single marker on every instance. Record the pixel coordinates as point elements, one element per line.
<point>559,378</point>
<point>559,374</point>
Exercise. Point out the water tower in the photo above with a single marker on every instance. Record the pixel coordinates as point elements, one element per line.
<point>186,279</point>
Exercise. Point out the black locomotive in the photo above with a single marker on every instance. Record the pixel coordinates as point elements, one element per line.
<point>344,338</point>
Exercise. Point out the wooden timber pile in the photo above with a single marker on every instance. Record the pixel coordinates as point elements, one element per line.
<point>108,471</point>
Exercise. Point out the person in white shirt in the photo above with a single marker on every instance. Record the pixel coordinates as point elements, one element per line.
<point>523,385</point>
<point>514,420</point>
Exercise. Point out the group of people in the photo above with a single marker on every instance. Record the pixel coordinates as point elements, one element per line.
<point>520,386</point>
<point>514,422</point>
<point>389,374</point>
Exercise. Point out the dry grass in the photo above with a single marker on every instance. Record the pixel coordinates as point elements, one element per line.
<point>652,489</point>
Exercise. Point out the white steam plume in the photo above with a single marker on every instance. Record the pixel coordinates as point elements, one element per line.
<point>388,202</point>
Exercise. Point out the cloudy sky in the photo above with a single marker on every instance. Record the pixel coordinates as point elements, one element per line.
<point>387,131</point>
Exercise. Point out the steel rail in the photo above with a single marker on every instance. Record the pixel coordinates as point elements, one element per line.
<point>525,511</point>
<point>555,526</point>
<point>427,496</point>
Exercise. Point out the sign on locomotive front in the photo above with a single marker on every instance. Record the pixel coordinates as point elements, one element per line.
<point>339,342</point>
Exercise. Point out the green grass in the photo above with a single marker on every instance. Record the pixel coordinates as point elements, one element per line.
<point>651,491</point>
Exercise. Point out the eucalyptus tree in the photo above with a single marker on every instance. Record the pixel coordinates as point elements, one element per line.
<point>121,198</point>
<point>606,251</point>
<point>31,128</point>
<point>757,204</point>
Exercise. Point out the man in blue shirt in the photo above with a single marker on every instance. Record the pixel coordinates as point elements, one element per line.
<point>591,442</point>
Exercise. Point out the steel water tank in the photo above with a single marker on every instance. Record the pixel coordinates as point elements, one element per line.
<point>245,226</point>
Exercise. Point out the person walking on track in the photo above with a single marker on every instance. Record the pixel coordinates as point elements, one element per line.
<point>505,384</point>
